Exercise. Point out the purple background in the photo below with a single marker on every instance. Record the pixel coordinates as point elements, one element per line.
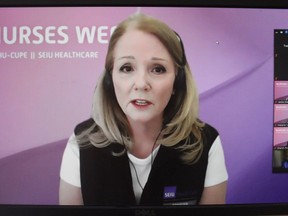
<point>230,52</point>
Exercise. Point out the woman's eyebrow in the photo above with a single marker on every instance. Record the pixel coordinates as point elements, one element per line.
<point>132,57</point>
<point>125,57</point>
<point>158,59</point>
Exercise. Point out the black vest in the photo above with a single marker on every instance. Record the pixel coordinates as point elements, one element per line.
<point>106,179</point>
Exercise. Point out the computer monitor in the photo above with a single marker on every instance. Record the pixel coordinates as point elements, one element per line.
<point>51,56</point>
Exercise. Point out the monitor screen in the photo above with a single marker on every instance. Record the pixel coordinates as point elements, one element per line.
<point>52,56</point>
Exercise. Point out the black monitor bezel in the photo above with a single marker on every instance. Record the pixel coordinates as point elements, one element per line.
<point>143,3</point>
<point>235,210</point>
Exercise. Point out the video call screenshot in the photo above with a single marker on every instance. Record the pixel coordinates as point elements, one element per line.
<point>51,59</point>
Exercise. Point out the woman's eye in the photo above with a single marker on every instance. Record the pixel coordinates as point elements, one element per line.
<point>159,69</point>
<point>126,68</point>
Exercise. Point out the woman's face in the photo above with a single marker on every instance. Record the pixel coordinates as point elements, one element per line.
<point>143,76</point>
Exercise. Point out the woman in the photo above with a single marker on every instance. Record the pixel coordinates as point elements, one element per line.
<point>144,144</point>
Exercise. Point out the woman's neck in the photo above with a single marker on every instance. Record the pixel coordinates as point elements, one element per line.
<point>144,137</point>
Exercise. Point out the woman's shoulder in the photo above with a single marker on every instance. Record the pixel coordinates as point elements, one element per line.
<point>209,134</point>
<point>210,130</point>
<point>84,125</point>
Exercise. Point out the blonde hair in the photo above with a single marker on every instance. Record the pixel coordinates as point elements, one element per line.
<point>111,124</point>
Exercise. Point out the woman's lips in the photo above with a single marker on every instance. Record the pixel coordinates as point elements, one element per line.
<point>141,102</point>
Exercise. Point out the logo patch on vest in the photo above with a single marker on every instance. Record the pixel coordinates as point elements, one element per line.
<point>172,197</point>
<point>170,192</point>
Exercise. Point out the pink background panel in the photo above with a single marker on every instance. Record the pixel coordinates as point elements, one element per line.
<point>281,112</point>
<point>280,135</point>
<point>281,89</point>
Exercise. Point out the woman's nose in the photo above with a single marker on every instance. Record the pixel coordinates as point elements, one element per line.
<point>142,81</point>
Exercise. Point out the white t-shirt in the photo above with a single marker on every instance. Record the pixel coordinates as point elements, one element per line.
<point>70,166</point>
